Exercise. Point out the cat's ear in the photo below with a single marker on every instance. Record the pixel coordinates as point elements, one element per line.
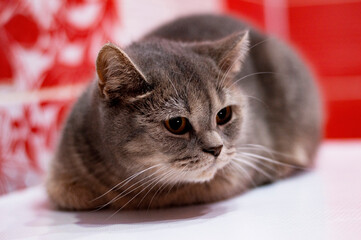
<point>119,77</point>
<point>228,52</point>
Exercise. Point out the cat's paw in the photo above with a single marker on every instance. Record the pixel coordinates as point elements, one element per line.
<point>71,195</point>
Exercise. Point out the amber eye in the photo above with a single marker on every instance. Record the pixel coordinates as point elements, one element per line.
<point>177,125</point>
<point>224,115</point>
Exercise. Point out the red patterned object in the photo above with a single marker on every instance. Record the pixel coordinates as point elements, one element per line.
<point>27,137</point>
<point>52,43</point>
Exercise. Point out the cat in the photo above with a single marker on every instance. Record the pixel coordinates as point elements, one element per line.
<point>199,110</point>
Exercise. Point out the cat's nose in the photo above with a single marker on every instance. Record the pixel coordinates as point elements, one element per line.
<point>215,151</point>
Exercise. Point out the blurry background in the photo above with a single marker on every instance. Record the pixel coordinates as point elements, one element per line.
<point>48,49</point>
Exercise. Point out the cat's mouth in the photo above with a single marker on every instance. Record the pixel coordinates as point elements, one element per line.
<point>196,169</point>
<point>208,173</point>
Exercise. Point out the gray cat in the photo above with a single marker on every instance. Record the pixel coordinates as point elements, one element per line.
<point>199,110</point>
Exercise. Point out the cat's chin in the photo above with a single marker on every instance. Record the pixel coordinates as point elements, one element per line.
<point>208,174</point>
<point>205,172</point>
<point>205,175</point>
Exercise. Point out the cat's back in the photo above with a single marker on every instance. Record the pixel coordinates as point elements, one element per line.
<point>203,27</point>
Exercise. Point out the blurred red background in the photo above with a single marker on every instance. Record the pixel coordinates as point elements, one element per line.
<point>49,48</point>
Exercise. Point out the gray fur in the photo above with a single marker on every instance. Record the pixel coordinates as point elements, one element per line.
<point>192,67</point>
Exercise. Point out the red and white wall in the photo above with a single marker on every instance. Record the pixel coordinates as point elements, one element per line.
<point>48,50</point>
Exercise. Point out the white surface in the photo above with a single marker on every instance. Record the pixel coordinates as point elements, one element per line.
<point>321,204</point>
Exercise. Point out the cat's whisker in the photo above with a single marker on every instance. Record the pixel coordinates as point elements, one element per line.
<point>189,80</point>
<point>220,74</point>
<point>171,82</point>
<point>149,182</point>
<point>129,190</point>
<point>126,192</point>
<point>259,161</point>
<point>245,179</point>
<point>272,153</point>
<point>145,188</point>
<point>256,44</point>
<point>234,62</point>
<point>183,173</point>
<point>264,148</point>
<point>257,99</point>
<point>225,75</point>
<point>250,75</point>
<point>162,178</point>
<point>272,160</point>
<point>125,181</point>
<point>160,188</point>
<point>244,171</point>
<point>255,167</point>
<point>179,181</point>
<point>255,149</point>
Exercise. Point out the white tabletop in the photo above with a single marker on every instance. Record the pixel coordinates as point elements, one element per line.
<point>321,204</point>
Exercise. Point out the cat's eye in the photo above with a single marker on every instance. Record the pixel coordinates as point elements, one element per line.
<point>224,115</point>
<point>177,125</point>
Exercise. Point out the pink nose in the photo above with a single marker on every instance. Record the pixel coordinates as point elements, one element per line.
<point>215,151</point>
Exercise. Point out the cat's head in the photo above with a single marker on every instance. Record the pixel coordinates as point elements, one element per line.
<point>172,108</point>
